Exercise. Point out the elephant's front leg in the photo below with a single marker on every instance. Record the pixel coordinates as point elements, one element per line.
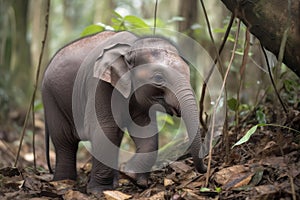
<point>145,137</point>
<point>105,151</point>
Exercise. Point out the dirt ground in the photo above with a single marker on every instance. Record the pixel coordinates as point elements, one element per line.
<point>265,167</point>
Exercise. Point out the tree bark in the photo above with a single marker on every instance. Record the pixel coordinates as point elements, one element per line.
<point>37,14</point>
<point>20,64</point>
<point>267,20</point>
<point>188,9</point>
<point>104,11</point>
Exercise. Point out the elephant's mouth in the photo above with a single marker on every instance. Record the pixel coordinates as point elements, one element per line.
<point>169,108</point>
<point>174,111</point>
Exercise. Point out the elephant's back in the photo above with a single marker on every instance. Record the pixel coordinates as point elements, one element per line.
<point>61,72</point>
<point>68,59</point>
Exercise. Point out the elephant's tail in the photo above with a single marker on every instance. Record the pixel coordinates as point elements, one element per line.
<point>47,142</point>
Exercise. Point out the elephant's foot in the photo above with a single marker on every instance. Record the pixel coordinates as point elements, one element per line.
<point>140,179</point>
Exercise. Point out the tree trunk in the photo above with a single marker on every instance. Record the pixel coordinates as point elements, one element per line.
<point>267,20</point>
<point>188,9</point>
<point>15,51</point>
<point>104,11</point>
<point>37,14</point>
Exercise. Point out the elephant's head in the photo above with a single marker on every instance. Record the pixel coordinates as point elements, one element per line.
<point>152,70</point>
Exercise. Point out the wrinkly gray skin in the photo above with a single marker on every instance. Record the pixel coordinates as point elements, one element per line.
<point>57,96</point>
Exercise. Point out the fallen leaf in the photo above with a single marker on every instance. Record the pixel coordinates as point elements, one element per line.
<point>238,180</point>
<point>63,185</point>
<point>187,178</point>
<point>158,196</point>
<point>115,195</point>
<point>265,189</point>
<point>45,177</point>
<point>224,175</point>
<point>32,184</point>
<point>269,145</point>
<point>180,167</point>
<point>259,172</point>
<point>168,182</point>
<point>196,184</point>
<point>75,195</point>
<point>275,162</point>
<point>189,194</point>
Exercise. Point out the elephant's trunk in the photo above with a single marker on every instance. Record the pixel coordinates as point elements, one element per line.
<point>190,116</point>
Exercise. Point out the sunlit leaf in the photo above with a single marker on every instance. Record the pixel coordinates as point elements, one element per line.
<point>159,22</point>
<point>204,189</point>
<point>247,136</point>
<point>118,22</point>
<point>135,22</point>
<point>219,30</point>
<point>117,15</point>
<point>237,52</point>
<point>218,189</point>
<point>92,29</point>
<point>161,117</point>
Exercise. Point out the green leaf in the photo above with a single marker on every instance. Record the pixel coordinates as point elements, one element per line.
<point>118,22</point>
<point>287,85</point>
<point>232,104</point>
<point>218,189</point>
<point>164,118</point>
<point>92,29</point>
<point>204,189</point>
<point>38,105</point>
<point>252,130</point>
<point>135,22</point>
<point>208,190</point>
<point>219,30</point>
<point>237,52</point>
<point>261,117</point>
<point>117,15</point>
<point>247,136</point>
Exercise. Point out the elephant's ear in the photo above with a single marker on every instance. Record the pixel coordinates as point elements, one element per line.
<point>111,65</point>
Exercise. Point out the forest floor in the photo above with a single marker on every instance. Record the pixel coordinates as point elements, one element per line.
<point>265,167</point>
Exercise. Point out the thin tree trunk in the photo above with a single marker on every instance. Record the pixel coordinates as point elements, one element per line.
<point>104,11</point>
<point>37,18</point>
<point>267,20</point>
<point>188,9</point>
<point>21,62</point>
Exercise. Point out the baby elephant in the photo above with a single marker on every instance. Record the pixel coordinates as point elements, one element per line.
<point>99,86</point>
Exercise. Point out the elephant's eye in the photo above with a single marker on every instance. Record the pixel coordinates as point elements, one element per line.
<point>158,79</point>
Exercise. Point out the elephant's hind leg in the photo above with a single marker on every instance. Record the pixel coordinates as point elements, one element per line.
<point>62,135</point>
<point>65,158</point>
